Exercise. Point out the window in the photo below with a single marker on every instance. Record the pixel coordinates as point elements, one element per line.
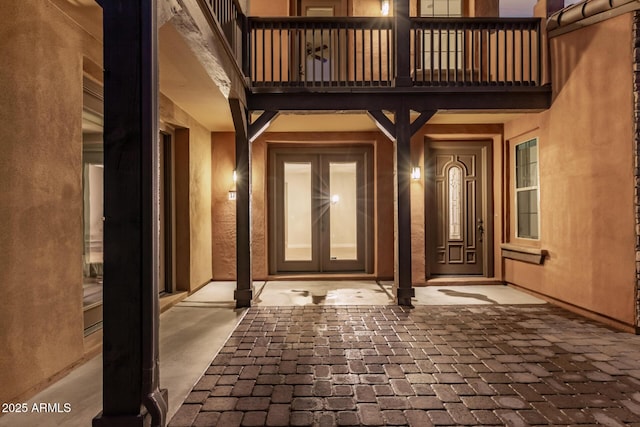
<point>442,49</point>
<point>527,191</point>
<point>441,8</point>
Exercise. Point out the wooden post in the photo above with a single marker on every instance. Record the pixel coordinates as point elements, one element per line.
<point>131,315</point>
<point>402,43</point>
<point>244,292</point>
<point>404,289</point>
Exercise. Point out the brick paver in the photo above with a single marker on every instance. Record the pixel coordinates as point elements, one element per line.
<point>430,365</point>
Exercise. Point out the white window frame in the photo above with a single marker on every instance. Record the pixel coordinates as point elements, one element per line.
<point>523,189</point>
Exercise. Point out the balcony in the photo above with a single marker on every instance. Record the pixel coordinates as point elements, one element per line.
<point>333,55</point>
<point>361,52</point>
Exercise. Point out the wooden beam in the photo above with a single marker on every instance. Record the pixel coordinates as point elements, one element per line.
<point>385,125</point>
<point>485,98</point>
<point>403,280</point>
<point>130,295</point>
<point>421,120</point>
<point>244,293</point>
<point>261,124</point>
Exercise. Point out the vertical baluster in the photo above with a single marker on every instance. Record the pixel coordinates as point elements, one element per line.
<point>264,53</point>
<point>254,53</point>
<point>497,53</point>
<point>379,32</point>
<point>530,54</point>
<point>447,77</point>
<point>355,56</point>
<point>481,35</point>
<point>362,56</point>
<point>539,54</point>
<point>272,56</point>
<point>414,68</point>
<point>432,53</point>
<point>506,57</point>
<point>455,52</point>
<point>465,48</point>
<point>520,29</point>
<point>513,54</point>
<point>321,55</point>
<point>332,54</point>
<point>389,56</point>
<point>370,31</point>
<point>339,53</point>
<point>280,55</point>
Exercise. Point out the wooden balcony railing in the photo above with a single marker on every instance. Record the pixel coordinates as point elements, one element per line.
<point>361,51</point>
<point>321,51</point>
<point>470,51</point>
<point>231,20</point>
<point>352,52</point>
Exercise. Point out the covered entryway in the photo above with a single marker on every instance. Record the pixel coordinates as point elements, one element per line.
<point>458,208</point>
<point>321,209</point>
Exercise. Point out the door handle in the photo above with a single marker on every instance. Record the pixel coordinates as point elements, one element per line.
<point>481,228</point>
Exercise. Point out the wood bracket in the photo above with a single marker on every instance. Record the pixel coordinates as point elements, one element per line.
<point>385,125</point>
<point>261,124</point>
<point>389,128</point>
<point>422,119</point>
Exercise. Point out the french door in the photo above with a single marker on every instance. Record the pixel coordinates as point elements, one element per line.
<point>321,210</point>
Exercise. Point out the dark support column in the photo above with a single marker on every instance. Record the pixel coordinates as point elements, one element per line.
<point>404,290</point>
<point>403,43</point>
<point>130,331</point>
<point>243,293</point>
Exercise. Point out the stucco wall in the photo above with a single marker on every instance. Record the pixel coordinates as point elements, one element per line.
<point>40,193</point>
<point>193,196</point>
<point>223,210</point>
<point>586,174</point>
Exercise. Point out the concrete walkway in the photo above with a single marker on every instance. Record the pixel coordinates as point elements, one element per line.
<point>483,364</point>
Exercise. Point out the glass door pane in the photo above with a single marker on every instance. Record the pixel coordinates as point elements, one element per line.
<point>343,191</point>
<point>297,212</point>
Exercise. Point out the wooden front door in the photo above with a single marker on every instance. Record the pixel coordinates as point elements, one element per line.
<point>458,208</point>
<point>321,216</point>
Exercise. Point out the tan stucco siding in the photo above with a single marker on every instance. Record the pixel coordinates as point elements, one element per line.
<point>40,193</point>
<point>223,214</point>
<point>194,217</point>
<point>586,174</point>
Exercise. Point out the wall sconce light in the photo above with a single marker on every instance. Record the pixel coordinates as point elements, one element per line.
<point>232,193</point>
<point>415,173</point>
<point>335,199</point>
<point>384,7</point>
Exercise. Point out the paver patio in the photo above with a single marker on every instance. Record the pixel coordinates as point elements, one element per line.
<point>430,365</point>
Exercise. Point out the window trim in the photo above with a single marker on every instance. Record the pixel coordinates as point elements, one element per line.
<point>516,190</point>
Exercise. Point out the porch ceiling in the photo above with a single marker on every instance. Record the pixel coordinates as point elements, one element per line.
<point>184,80</point>
<point>358,121</point>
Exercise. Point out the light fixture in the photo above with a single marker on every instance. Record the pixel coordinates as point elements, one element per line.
<point>384,7</point>
<point>232,193</point>
<point>415,173</point>
<point>335,199</point>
